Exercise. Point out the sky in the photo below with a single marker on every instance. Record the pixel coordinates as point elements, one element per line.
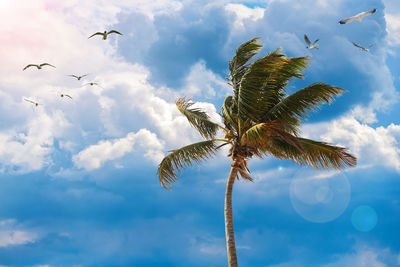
<point>78,184</point>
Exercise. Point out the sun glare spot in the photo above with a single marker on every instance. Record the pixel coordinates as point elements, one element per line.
<point>364,218</point>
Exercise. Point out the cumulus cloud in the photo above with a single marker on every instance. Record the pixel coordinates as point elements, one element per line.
<point>123,104</point>
<point>373,146</point>
<point>95,156</point>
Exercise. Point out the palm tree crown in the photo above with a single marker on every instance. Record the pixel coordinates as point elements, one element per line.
<point>260,118</point>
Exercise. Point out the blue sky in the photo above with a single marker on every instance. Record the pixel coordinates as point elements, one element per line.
<point>78,183</point>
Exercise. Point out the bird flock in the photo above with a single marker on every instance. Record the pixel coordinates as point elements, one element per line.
<point>310,45</point>
<point>359,17</point>
<point>77,77</point>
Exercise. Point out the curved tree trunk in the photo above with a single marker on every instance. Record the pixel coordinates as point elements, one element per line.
<point>229,234</point>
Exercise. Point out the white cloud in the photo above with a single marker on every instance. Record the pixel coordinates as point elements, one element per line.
<point>29,145</point>
<point>362,257</point>
<point>11,236</point>
<point>392,14</point>
<point>373,146</point>
<point>203,82</point>
<point>95,156</point>
<point>243,12</point>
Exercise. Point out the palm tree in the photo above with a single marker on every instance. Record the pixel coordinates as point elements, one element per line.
<point>260,119</point>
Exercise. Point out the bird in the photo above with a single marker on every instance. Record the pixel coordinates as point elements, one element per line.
<point>105,34</point>
<point>91,84</point>
<point>33,102</point>
<point>38,66</point>
<point>366,49</point>
<point>78,77</point>
<point>358,17</point>
<point>62,95</point>
<point>309,44</point>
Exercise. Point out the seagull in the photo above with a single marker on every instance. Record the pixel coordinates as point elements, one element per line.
<point>105,34</point>
<point>33,102</point>
<point>78,77</point>
<point>91,84</point>
<point>366,49</point>
<point>310,45</point>
<point>62,95</point>
<point>358,17</point>
<point>38,66</point>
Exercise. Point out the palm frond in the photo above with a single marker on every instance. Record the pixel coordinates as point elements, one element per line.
<point>182,158</point>
<point>314,153</point>
<point>263,84</point>
<point>237,66</point>
<point>295,106</point>
<point>197,118</point>
<point>228,114</point>
<point>260,135</point>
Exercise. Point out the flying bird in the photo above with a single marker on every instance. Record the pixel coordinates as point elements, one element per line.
<point>91,84</point>
<point>78,77</point>
<point>38,66</point>
<point>366,49</point>
<point>309,44</point>
<point>62,95</point>
<point>105,34</point>
<point>33,102</point>
<point>358,17</point>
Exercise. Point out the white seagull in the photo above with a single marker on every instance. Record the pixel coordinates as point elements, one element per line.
<point>309,44</point>
<point>358,17</point>
<point>104,34</point>
<point>78,77</point>
<point>33,102</point>
<point>38,66</point>
<point>366,49</point>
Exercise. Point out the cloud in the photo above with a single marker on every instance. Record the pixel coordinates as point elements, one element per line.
<point>365,256</point>
<point>204,83</point>
<point>373,146</point>
<point>10,236</point>
<point>95,156</point>
<point>243,12</point>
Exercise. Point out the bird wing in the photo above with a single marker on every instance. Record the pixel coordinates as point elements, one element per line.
<point>356,45</point>
<point>306,39</point>
<point>366,13</point>
<point>33,102</point>
<point>368,47</point>
<point>84,75</point>
<point>68,96</point>
<point>345,21</point>
<point>97,33</point>
<point>73,76</point>
<point>316,41</point>
<point>114,31</point>
<point>30,65</point>
<point>47,64</point>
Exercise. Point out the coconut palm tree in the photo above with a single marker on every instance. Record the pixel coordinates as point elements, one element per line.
<point>260,119</point>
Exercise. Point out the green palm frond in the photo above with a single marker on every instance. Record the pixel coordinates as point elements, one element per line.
<point>314,153</point>
<point>182,158</point>
<point>237,66</point>
<point>228,114</point>
<point>295,106</point>
<point>197,118</point>
<point>260,135</point>
<point>263,84</point>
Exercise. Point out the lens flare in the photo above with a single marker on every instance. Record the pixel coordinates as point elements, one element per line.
<point>364,218</point>
<point>319,198</point>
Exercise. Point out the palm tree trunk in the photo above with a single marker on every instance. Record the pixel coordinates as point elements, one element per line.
<point>229,234</point>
